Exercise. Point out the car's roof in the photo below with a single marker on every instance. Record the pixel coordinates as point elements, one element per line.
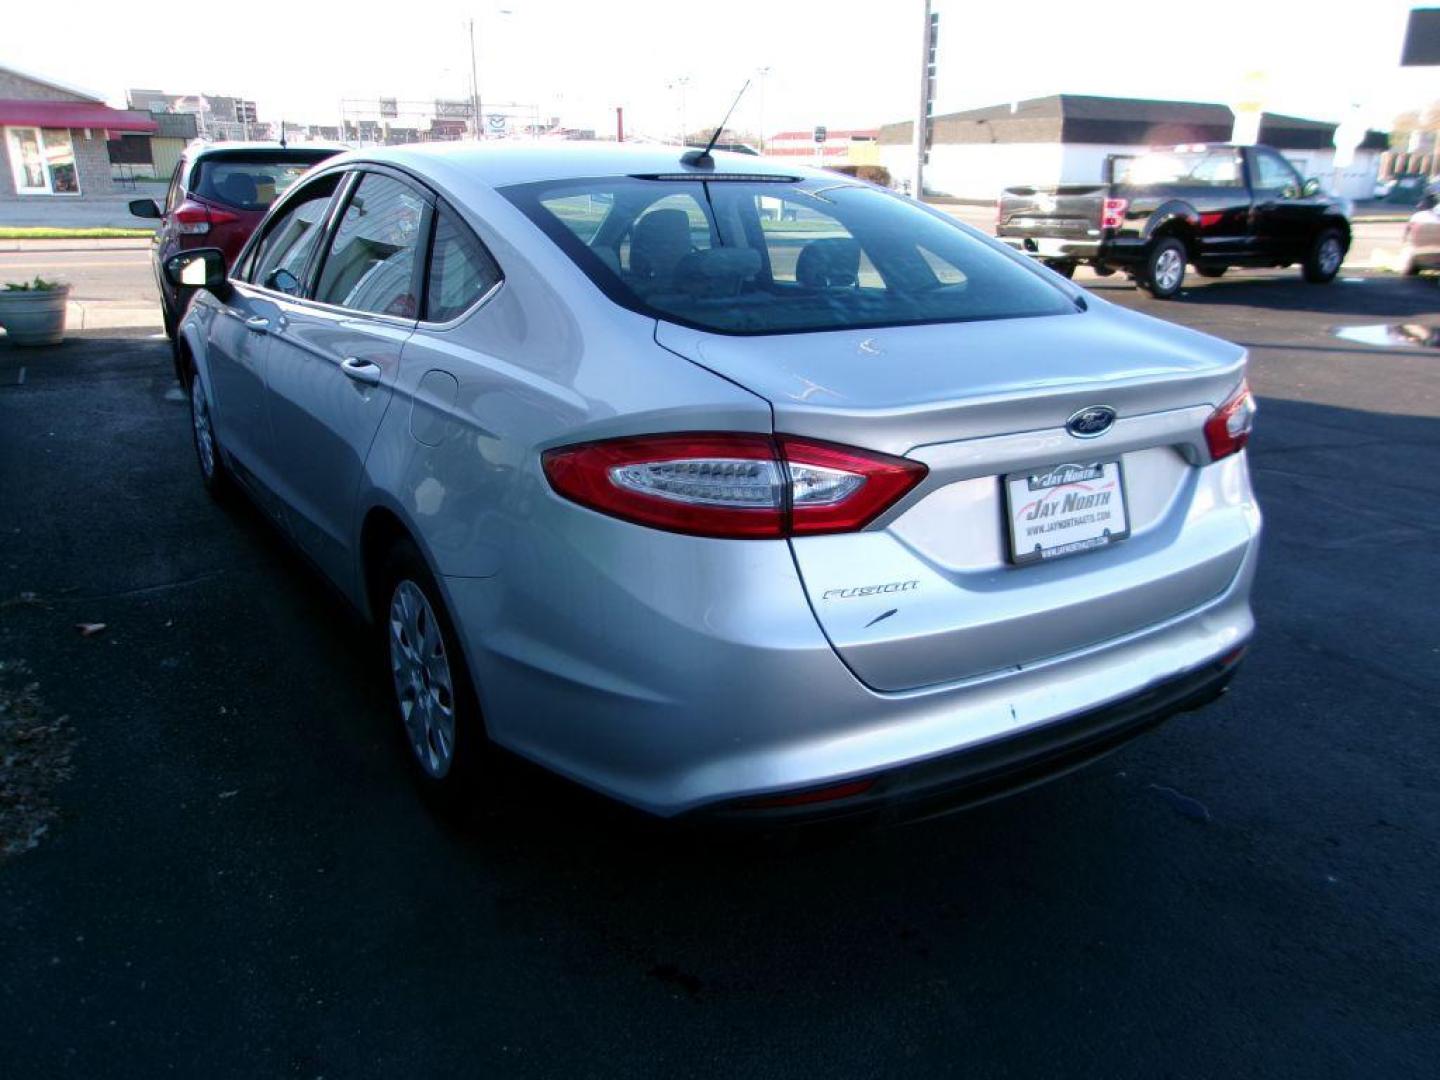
<point>502,163</point>
<point>200,149</point>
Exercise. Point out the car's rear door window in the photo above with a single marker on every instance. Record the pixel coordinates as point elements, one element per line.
<point>750,256</point>
<point>461,270</point>
<point>371,263</point>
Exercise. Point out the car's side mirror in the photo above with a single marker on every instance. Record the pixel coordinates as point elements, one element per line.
<point>1429,202</point>
<point>201,268</point>
<point>282,280</point>
<point>1310,187</point>
<point>146,208</point>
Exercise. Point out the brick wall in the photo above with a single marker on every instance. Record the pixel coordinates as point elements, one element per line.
<point>18,87</point>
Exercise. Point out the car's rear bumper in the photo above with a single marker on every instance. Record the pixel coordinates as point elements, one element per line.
<point>1000,767</point>
<point>1112,252</point>
<point>681,692</point>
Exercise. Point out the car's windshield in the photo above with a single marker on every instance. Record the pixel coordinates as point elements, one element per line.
<point>251,181</point>
<point>757,257</point>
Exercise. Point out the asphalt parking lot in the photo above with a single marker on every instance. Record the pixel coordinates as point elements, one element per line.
<point>239,880</point>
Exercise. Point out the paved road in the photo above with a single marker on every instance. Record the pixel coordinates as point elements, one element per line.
<point>105,270</point>
<point>242,884</point>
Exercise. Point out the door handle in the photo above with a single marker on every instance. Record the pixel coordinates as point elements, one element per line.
<point>362,371</point>
<point>258,323</point>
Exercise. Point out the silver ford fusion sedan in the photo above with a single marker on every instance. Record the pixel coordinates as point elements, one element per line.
<point>722,486</point>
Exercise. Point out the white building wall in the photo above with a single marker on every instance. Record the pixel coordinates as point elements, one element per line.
<point>983,170</point>
<point>978,170</point>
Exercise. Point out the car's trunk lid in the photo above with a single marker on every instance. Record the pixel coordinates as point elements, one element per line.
<point>926,595</point>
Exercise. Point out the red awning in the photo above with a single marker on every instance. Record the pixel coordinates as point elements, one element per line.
<point>73,114</point>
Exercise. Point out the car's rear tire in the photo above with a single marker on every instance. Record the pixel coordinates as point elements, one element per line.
<point>1064,267</point>
<point>431,692</point>
<point>1211,271</point>
<point>1164,273</point>
<point>1326,254</point>
<point>213,472</point>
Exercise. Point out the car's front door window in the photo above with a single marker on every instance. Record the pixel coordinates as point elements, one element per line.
<point>1273,173</point>
<point>371,262</point>
<point>287,244</point>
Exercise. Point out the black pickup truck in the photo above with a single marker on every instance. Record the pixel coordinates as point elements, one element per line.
<point>1209,205</point>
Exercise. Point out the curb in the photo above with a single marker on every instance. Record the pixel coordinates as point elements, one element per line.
<point>111,315</point>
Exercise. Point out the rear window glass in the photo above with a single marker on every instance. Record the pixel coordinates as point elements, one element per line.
<point>250,181</point>
<point>1219,167</point>
<point>747,257</point>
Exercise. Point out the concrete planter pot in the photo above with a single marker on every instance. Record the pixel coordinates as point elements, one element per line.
<point>34,316</point>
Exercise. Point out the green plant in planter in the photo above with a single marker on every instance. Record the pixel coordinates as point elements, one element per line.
<point>39,284</point>
<point>33,312</point>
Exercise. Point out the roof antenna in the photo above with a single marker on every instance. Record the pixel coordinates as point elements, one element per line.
<point>282,133</point>
<point>701,158</point>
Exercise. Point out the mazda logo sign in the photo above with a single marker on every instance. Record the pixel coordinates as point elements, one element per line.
<point>1091,421</point>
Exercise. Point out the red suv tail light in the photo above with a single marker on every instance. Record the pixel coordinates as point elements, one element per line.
<point>195,219</point>
<point>1228,429</point>
<point>1113,215</point>
<point>732,485</point>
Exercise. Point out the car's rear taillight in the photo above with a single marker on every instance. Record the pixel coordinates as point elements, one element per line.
<point>1113,215</point>
<point>732,485</point>
<point>1228,429</point>
<point>195,219</point>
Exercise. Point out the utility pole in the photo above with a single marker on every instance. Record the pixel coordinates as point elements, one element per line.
<point>762,72</point>
<point>927,100</point>
<point>475,87</point>
<point>619,123</point>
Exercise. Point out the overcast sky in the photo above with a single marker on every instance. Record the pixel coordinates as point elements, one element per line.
<point>840,63</point>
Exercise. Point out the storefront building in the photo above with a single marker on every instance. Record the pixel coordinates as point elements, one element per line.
<point>53,138</point>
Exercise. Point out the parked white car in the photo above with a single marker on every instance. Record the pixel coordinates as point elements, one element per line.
<point>1420,249</point>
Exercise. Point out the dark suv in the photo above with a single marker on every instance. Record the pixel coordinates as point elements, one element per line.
<point>1209,205</point>
<point>218,193</point>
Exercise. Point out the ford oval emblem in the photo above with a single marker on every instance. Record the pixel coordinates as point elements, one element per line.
<point>1091,421</point>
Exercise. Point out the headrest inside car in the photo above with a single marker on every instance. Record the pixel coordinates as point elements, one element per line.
<point>828,264</point>
<point>718,272</point>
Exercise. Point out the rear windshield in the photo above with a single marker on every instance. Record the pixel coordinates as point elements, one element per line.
<point>1216,167</point>
<point>251,181</point>
<point>759,257</point>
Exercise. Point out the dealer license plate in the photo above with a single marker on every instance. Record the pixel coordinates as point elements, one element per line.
<point>1064,510</point>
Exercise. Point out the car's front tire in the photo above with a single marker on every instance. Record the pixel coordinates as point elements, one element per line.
<point>1164,272</point>
<point>431,691</point>
<point>1064,267</point>
<point>213,473</point>
<point>1326,254</point>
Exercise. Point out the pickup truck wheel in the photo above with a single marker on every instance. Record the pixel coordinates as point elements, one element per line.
<point>1164,271</point>
<point>1063,267</point>
<point>1211,271</point>
<point>1326,255</point>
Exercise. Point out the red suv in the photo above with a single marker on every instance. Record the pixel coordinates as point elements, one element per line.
<point>218,193</point>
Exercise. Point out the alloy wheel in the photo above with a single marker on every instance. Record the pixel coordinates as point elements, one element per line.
<point>1168,269</point>
<point>204,431</point>
<point>420,667</point>
<point>1330,255</point>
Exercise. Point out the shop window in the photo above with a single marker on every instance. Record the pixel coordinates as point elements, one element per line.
<point>42,161</point>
